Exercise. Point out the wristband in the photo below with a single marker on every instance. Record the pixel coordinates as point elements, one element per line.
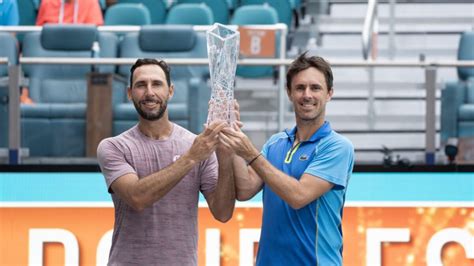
<point>251,161</point>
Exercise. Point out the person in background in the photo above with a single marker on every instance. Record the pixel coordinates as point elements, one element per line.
<point>70,11</point>
<point>9,13</point>
<point>304,173</point>
<point>155,171</point>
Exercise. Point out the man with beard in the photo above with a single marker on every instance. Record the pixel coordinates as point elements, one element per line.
<point>155,171</point>
<point>303,172</point>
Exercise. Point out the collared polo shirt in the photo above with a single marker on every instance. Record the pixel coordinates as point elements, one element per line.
<point>311,235</point>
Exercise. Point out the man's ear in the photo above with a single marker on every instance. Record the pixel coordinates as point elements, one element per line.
<point>171,90</point>
<point>288,91</point>
<point>330,93</point>
<point>129,93</point>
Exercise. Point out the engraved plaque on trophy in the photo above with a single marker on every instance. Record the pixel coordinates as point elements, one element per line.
<point>223,51</point>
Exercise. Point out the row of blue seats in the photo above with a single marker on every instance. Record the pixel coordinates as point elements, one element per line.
<point>158,9</point>
<point>55,124</point>
<point>190,14</point>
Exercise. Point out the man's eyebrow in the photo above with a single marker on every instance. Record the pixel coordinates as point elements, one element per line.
<point>139,82</point>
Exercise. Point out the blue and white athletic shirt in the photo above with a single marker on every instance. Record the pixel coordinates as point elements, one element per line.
<point>311,235</point>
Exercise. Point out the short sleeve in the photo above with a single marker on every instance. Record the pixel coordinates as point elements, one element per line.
<point>112,162</point>
<point>269,142</point>
<point>264,150</point>
<point>333,162</point>
<point>208,172</point>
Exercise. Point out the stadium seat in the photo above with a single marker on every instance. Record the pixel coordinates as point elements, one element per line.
<point>457,98</point>
<point>157,9</point>
<point>54,125</point>
<point>220,8</point>
<point>233,4</point>
<point>284,9</point>
<point>28,10</point>
<point>103,5</point>
<point>9,50</point>
<point>188,107</point>
<point>127,14</point>
<point>190,14</point>
<point>255,15</point>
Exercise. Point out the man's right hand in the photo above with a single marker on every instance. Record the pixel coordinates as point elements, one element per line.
<point>206,142</point>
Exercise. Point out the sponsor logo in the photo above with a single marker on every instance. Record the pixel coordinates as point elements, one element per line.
<point>303,157</point>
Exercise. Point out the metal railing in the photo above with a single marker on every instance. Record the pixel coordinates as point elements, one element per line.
<point>13,111</point>
<point>14,115</point>
<point>430,84</point>
<point>369,52</point>
<point>370,30</point>
<point>281,63</point>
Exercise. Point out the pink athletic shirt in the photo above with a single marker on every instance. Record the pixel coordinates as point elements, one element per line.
<point>165,233</point>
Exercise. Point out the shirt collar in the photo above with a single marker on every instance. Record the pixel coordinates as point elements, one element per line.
<point>322,132</point>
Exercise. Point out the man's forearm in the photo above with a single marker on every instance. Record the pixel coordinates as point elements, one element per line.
<point>223,199</point>
<point>247,183</point>
<point>285,186</point>
<point>155,186</point>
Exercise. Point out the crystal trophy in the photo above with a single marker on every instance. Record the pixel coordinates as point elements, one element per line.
<point>223,50</point>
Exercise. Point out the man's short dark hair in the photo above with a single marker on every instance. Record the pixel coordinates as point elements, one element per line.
<point>151,61</point>
<point>304,62</point>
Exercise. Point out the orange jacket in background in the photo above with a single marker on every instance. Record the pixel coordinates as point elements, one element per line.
<point>88,12</point>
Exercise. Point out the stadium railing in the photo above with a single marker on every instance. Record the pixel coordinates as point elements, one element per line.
<point>15,116</point>
<point>430,68</point>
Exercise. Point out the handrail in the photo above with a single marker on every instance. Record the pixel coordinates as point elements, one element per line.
<point>246,62</point>
<point>369,53</point>
<point>370,26</point>
<point>429,66</point>
<point>15,117</point>
<point>125,29</point>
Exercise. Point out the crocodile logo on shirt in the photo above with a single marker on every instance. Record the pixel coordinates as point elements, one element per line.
<point>303,157</point>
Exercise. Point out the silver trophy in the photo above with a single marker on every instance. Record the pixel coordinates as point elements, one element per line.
<point>223,46</point>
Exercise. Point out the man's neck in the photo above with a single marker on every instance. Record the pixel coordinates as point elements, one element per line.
<point>306,129</point>
<point>158,130</point>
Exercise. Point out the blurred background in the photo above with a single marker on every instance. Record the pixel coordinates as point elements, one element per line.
<point>403,94</point>
<point>403,72</point>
